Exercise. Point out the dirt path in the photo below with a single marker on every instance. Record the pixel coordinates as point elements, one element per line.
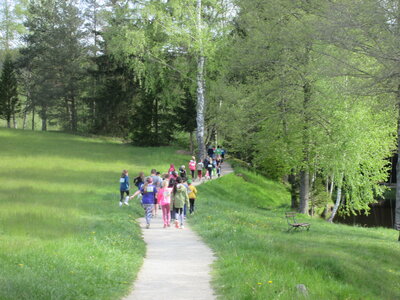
<point>177,264</point>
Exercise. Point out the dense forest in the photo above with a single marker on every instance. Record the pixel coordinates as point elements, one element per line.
<point>307,91</point>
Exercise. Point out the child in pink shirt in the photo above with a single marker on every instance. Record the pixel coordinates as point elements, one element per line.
<point>164,199</point>
<point>171,169</point>
<point>192,166</point>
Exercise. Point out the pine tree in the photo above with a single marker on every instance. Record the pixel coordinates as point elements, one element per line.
<point>9,102</point>
<point>55,55</point>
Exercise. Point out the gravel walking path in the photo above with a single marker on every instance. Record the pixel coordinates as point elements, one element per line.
<point>177,264</point>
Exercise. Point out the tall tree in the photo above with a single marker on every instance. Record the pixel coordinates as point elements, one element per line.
<point>94,22</point>
<point>12,13</point>
<point>186,115</point>
<point>9,102</point>
<point>56,58</point>
<point>370,30</point>
<point>182,27</point>
<point>284,100</point>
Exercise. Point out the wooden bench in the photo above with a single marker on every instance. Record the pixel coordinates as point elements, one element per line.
<point>293,224</point>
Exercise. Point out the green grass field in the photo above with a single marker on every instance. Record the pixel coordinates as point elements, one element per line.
<point>62,234</point>
<point>242,219</point>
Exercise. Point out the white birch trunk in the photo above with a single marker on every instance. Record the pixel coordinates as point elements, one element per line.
<point>332,185</point>
<point>338,198</point>
<point>337,204</point>
<point>200,89</point>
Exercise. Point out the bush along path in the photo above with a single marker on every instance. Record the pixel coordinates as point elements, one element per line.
<point>177,264</point>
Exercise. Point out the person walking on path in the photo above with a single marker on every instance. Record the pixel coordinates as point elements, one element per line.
<point>210,151</point>
<point>157,183</point>
<point>160,266</point>
<point>218,151</point>
<point>200,167</point>
<point>218,165</point>
<point>149,192</point>
<point>179,199</point>
<point>182,172</point>
<point>164,199</point>
<point>222,155</point>
<point>171,169</point>
<point>124,187</point>
<point>192,196</point>
<point>208,164</point>
<point>214,169</point>
<point>139,181</point>
<point>171,184</point>
<point>174,175</point>
<point>156,179</point>
<point>186,206</point>
<point>192,166</point>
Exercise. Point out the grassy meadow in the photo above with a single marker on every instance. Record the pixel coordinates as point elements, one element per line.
<point>62,234</point>
<point>242,219</point>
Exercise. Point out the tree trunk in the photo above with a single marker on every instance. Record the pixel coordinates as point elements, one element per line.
<point>74,116</point>
<point>305,173</point>
<point>25,114</point>
<point>332,185</point>
<point>43,115</point>
<point>191,143</point>
<point>337,204</point>
<point>44,125</point>
<point>304,191</point>
<point>329,190</point>
<point>200,109</point>
<point>325,212</point>
<point>33,117</point>
<point>156,121</point>
<point>14,121</point>
<point>201,102</point>
<point>293,189</point>
<point>397,211</point>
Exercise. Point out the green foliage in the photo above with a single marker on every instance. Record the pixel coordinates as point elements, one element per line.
<point>242,220</point>
<point>113,99</point>
<point>293,113</point>
<point>54,55</point>
<point>153,122</point>
<point>9,101</point>
<point>11,15</point>
<point>186,112</point>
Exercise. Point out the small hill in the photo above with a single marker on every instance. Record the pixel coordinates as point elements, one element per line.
<point>62,234</point>
<point>242,218</point>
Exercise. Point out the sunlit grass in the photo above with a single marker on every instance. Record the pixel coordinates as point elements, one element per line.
<point>62,234</point>
<point>242,219</point>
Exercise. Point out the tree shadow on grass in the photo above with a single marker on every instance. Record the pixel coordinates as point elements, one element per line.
<point>70,148</point>
<point>55,215</point>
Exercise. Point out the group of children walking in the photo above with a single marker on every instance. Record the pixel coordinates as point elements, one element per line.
<point>173,192</point>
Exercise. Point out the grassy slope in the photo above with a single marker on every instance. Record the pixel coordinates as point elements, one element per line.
<point>242,219</point>
<point>62,234</point>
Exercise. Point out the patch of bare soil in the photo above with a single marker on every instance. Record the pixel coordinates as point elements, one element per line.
<point>184,152</point>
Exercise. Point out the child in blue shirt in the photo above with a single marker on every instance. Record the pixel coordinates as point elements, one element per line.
<point>124,187</point>
<point>149,192</point>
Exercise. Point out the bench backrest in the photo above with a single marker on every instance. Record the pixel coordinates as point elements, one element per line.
<point>291,217</point>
